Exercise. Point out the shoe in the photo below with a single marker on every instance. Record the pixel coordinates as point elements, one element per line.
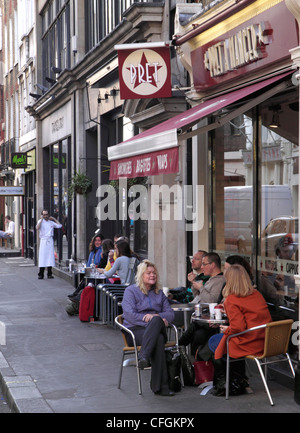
<point>143,363</point>
<point>40,277</point>
<point>165,393</point>
<point>50,276</point>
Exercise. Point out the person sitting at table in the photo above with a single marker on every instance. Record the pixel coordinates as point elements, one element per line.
<point>147,312</point>
<point>197,335</point>
<point>183,295</point>
<point>245,308</point>
<point>107,246</point>
<point>120,266</point>
<point>95,249</point>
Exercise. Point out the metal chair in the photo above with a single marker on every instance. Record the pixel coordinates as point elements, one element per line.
<point>134,350</point>
<point>277,336</point>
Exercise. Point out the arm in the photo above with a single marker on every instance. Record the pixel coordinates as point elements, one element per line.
<point>113,269</point>
<point>38,226</point>
<point>57,224</point>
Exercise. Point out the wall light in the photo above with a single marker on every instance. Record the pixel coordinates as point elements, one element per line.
<point>275,117</point>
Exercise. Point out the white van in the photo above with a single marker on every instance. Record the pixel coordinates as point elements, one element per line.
<point>238,212</point>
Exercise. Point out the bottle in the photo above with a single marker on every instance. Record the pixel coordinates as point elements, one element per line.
<point>71,264</point>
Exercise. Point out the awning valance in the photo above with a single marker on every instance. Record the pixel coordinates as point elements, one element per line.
<point>167,134</point>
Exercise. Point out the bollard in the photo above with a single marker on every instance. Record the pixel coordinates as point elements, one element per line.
<point>2,334</point>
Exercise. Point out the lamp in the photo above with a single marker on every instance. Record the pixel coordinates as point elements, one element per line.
<point>35,95</point>
<point>275,117</point>
<point>56,70</point>
<point>50,80</point>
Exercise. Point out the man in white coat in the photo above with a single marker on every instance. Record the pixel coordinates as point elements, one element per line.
<point>46,226</point>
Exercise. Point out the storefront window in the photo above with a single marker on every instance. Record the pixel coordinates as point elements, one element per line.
<point>254,199</point>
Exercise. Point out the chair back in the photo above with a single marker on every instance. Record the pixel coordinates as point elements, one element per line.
<point>119,322</point>
<point>132,268</point>
<point>277,337</point>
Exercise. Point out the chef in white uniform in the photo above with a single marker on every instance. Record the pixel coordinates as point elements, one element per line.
<point>46,226</point>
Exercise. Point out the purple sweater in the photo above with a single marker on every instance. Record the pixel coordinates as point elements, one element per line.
<point>135,305</point>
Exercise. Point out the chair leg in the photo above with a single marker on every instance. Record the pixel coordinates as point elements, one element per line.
<point>227,377</point>
<point>290,362</point>
<point>264,380</point>
<point>121,371</point>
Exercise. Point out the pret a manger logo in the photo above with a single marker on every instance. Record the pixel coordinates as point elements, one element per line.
<point>144,72</point>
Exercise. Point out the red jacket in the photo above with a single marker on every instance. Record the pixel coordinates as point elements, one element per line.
<point>244,313</point>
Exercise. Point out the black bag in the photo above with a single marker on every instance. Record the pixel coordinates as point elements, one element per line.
<point>187,368</point>
<point>173,364</point>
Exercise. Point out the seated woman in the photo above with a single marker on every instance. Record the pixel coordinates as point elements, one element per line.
<point>120,266</point>
<point>95,250</point>
<point>245,308</point>
<point>107,246</point>
<point>147,312</point>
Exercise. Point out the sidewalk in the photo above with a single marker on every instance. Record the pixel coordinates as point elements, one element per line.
<point>53,363</point>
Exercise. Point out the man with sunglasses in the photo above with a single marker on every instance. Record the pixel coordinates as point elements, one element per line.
<point>46,225</point>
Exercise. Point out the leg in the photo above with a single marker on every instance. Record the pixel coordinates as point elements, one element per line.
<point>41,273</point>
<point>49,273</point>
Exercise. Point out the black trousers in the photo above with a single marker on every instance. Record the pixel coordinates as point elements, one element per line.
<point>196,335</point>
<point>152,339</point>
<point>41,271</point>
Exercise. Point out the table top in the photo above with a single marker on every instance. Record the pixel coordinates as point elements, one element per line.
<point>207,319</point>
<point>183,307</point>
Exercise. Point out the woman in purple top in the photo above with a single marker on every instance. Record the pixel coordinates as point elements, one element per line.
<point>147,312</point>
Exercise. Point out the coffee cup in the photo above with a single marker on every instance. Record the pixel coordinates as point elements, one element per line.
<point>212,309</point>
<point>218,313</point>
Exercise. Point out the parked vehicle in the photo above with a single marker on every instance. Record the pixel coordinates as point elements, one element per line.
<point>276,230</point>
<point>276,201</point>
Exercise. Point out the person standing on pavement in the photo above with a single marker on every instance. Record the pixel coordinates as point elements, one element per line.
<point>46,225</point>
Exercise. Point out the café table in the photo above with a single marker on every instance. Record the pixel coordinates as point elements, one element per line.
<point>206,318</point>
<point>186,308</point>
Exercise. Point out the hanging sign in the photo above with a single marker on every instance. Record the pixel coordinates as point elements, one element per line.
<point>144,70</point>
<point>18,160</point>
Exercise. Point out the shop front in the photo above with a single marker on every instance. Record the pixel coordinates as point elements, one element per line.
<point>249,149</point>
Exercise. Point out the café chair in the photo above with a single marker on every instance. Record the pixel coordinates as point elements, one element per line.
<point>277,337</point>
<point>134,350</point>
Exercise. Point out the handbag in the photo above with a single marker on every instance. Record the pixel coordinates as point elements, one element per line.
<point>187,368</point>
<point>204,371</point>
<point>173,365</point>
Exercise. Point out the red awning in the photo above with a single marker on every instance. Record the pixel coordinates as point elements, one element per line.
<point>155,141</point>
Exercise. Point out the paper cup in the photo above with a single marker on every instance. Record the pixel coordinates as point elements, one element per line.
<point>212,309</point>
<point>218,314</point>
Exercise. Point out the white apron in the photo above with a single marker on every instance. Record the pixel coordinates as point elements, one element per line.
<point>46,253</point>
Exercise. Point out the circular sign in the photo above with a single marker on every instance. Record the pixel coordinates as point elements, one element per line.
<point>144,72</point>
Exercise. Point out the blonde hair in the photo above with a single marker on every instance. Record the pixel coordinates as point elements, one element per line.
<point>238,282</point>
<point>141,269</point>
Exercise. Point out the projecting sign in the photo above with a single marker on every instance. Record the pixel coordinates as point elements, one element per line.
<point>144,71</point>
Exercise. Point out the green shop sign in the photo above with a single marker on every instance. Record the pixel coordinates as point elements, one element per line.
<point>19,160</point>
<point>56,160</point>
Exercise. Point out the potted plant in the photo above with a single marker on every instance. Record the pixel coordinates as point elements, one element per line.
<point>80,184</point>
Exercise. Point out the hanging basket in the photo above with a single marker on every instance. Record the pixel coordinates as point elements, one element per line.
<point>80,184</point>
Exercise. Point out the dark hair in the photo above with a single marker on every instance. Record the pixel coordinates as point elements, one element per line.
<point>239,260</point>
<point>123,248</point>
<point>107,245</point>
<point>214,258</point>
<point>92,243</point>
<point>7,217</point>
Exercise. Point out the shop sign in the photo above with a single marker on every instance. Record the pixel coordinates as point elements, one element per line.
<point>18,160</point>
<point>11,190</point>
<point>268,154</point>
<point>148,164</point>
<point>245,47</point>
<point>56,160</point>
<point>144,72</point>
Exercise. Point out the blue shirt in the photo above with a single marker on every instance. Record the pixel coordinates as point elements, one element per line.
<point>97,253</point>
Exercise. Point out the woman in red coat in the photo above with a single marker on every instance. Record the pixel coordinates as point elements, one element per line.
<point>245,308</point>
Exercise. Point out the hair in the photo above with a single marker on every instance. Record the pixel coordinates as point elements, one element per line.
<point>238,282</point>
<point>141,269</point>
<point>239,260</point>
<point>123,248</point>
<point>7,217</point>
<point>92,243</point>
<point>202,251</point>
<point>107,245</point>
<point>213,258</point>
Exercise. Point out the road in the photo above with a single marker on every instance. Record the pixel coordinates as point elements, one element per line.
<point>4,408</point>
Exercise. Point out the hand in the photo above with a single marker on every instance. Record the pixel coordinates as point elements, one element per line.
<point>191,277</point>
<point>148,317</point>
<point>197,285</point>
<point>166,322</point>
<point>223,328</point>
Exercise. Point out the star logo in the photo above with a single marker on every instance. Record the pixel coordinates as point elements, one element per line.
<point>144,72</point>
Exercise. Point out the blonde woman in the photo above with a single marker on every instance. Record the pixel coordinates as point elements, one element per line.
<point>147,312</point>
<point>245,308</point>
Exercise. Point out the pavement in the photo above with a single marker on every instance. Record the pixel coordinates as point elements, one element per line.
<point>51,362</point>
